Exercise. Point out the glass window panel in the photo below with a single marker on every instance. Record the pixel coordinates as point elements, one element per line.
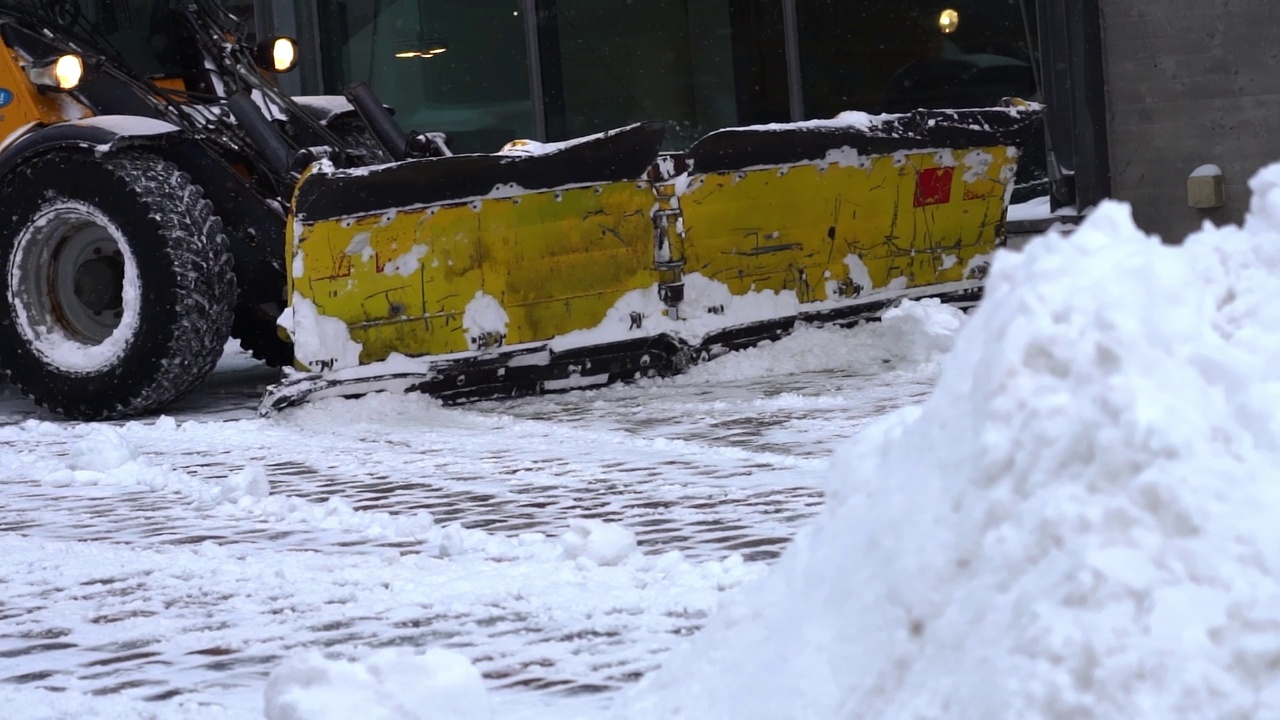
<point>897,56</point>
<point>141,31</point>
<point>449,66</point>
<point>700,65</point>
<point>894,56</point>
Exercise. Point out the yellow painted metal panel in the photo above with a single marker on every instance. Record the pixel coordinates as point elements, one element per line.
<point>912,219</point>
<point>556,261</point>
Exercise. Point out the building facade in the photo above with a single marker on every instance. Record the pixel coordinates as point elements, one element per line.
<point>1189,85</point>
<point>1141,94</point>
<point>488,71</point>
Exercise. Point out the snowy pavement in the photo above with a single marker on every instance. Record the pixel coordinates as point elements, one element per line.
<point>168,566</point>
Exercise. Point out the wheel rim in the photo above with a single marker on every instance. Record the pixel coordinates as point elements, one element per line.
<point>72,286</point>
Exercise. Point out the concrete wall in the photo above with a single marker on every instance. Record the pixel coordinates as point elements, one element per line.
<point>1190,82</point>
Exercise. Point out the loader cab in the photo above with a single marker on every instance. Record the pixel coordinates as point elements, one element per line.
<point>148,38</point>
<point>144,35</point>
<point>142,39</point>
<point>144,32</point>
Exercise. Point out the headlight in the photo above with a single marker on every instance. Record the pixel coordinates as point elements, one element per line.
<point>278,54</point>
<point>948,21</point>
<point>69,71</point>
<point>63,74</point>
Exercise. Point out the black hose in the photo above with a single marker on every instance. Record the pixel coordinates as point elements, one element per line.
<point>388,132</point>
<point>265,136</point>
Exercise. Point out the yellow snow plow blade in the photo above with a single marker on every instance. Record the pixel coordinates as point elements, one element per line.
<point>835,231</point>
<point>531,264</point>
<point>402,282</point>
<point>598,260</point>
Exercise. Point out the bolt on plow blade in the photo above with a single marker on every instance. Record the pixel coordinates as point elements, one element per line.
<point>599,259</point>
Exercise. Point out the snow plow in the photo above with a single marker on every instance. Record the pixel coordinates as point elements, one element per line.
<point>583,263</point>
<point>162,194</point>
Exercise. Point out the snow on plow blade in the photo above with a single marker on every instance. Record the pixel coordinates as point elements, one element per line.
<point>599,260</point>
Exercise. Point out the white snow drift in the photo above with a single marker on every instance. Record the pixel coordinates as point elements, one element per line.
<point>389,685</point>
<point>1079,523</point>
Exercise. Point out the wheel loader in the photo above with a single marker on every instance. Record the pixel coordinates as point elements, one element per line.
<point>160,194</point>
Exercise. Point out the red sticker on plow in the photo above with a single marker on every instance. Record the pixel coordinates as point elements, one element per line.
<point>933,186</point>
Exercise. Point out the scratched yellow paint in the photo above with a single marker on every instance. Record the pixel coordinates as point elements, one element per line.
<point>770,229</point>
<point>555,261</point>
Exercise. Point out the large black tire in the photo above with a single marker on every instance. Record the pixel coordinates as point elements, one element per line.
<point>118,286</point>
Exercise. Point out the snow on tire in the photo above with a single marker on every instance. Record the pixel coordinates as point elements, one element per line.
<point>118,287</point>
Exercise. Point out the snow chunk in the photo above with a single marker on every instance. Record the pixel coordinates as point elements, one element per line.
<point>405,265</point>
<point>389,685</point>
<point>361,244</point>
<point>1080,522</point>
<point>483,319</point>
<point>250,482</point>
<point>1040,208</point>
<point>858,272</point>
<point>848,157</point>
<point>921,331</point>
<point>598,541</point>
<point>104,450</point>
<point>860,120</point>
<point>319,342</point>
<point>976,163</point>
<point>103,457</point>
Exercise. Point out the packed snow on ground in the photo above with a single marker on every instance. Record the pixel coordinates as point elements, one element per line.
<point>259,602</point>
<point>1079,523</point>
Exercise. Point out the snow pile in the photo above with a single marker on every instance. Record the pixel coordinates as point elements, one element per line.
<point>389,685</point>
<point>320,342</point>
<point>710,306</point>
<point>251,482</point>
<point>104,457</point>
<point>600,542</point>
<point>1079,523</point>
<point>919,331</point>
<point>911,337</point>
<point>484,320</point>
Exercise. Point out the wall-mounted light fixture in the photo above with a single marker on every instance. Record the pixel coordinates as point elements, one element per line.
<point>421,48</point>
